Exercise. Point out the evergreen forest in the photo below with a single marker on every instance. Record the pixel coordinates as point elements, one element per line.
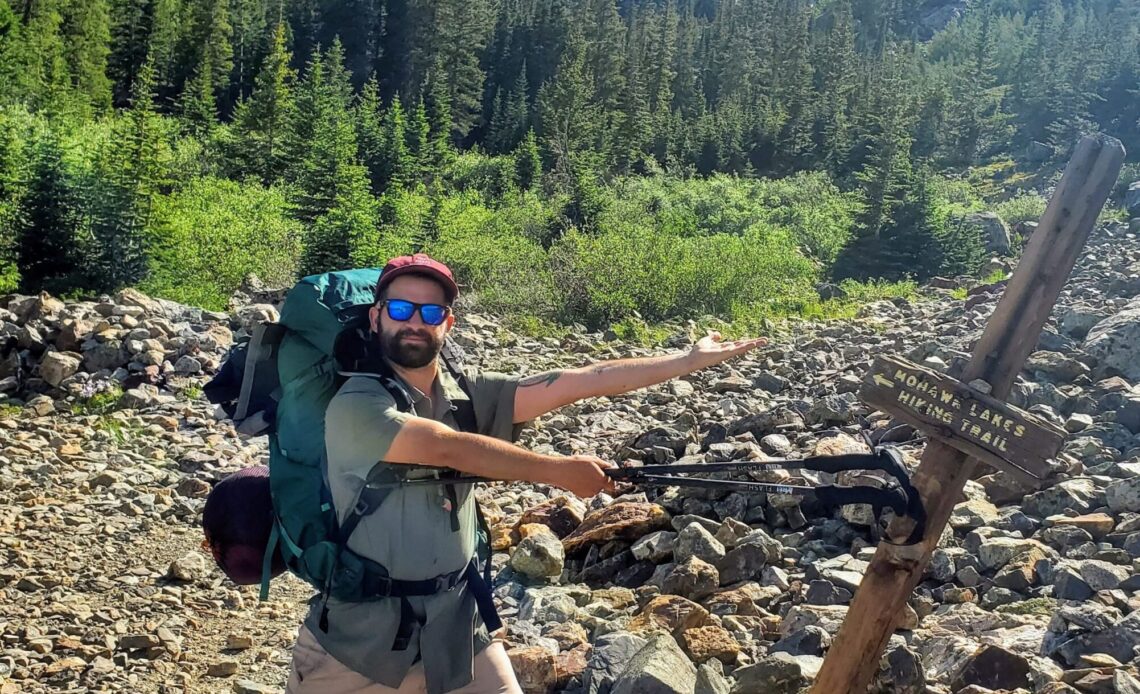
<point>575,161</point>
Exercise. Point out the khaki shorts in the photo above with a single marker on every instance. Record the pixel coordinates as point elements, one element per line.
<point>314,671</point>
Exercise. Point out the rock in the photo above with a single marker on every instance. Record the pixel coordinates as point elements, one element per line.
<point>750,556</point>
<point>1068,585</point>
<point>1077,494</point>
<point>993,667</point>
<point>58,366</point>
<point>655,547</point>
<point>622,520</point>
<point>189,567</point>
<point>539,554</point>
<point>562,514</point>
<point>1101,575</point>
<point>1076,322</point>
<point>975,513</point>
<point>705,643</point>
<point>1123,495</point>
<point>250,687</point>
<point>810,640</point>
<point>239,642</point>
<point>1132,199</point>
<point>1115,342</point>
<point>611,654</point>
<point>1055,366</point>
<point>693,579</point>
<point>534,667</point>
<point>660,667</point>
<point>1097,525</point>
<point>776,444</point>
<point>995,552</point>
<point>779,673</point>
<point>711,681</point>
<point>1021,572</point>
<point>994,232</point>
<point>669,613</point>
<point>223,668</point>
<point>696,541</point>
<point>1078,422</point>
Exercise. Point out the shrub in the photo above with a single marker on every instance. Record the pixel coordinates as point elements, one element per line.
<point>1026,206</point>
<point>213,233</point>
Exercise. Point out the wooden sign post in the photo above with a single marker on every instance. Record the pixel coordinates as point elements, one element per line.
<point>965,424</point>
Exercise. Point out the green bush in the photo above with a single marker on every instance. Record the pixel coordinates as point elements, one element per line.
<point>492,177</point>
<point>213,233</point>
<point>1026,206</point>
<point>659,275</point>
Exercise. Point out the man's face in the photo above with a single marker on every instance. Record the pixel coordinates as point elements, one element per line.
<point>411,343</point>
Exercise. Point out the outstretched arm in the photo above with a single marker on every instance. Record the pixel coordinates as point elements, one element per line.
<point>536,395</point>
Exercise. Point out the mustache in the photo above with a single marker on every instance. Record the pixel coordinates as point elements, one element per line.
<point>422,334</point>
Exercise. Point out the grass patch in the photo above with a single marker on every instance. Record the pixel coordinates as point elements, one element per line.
<point>121,431</point>
<point>1037,606</point>
<point>193,392</point>
<point>8,410</point>
<point>99,403</point>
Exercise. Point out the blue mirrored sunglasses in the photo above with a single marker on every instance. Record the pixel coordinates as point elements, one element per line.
<point>431,314</point>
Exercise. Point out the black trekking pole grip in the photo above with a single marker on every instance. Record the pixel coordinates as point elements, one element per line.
<point>894,498</point>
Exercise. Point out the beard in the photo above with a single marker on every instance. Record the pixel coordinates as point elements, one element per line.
<point>411,354</point>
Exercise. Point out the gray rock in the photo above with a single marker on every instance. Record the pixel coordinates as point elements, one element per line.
<point>1076,322</point>
<point>693,579</point>
<point>1068,585</point>
<point>1100,575</point>
<point>994,232</point>
<point>810,640</point>
<point>660,667</point>
<point>993,667</point>
<point>975,513</point>
<point>611,654</point>
<point>696,541</point>
<point>997,596</point>
<point>655,547</point>
<point>745,561</point>
<point>189,567</point>
<point>996,552</point>
<point>1115,342</point>
<point>1132,199</point>
<point>58,366</point>
<point>539,555</point>
<point>712,681</point>
<point>779,673</point>
<point>1123,495</point>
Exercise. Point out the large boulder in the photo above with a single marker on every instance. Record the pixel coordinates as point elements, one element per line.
<point>1132,199</point>
<point>994,232</point>
<point>58,366</point>
<point>660,667</point>
<point>625,521</point>
<point>1115,342</point>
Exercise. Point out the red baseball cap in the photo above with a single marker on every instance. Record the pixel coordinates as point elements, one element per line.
<point>419,264</point>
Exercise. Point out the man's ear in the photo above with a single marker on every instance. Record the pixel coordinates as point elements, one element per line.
<point>450,322</point>
<point>374,318</point>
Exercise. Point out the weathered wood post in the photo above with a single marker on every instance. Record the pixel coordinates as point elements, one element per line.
<point>965,424</point>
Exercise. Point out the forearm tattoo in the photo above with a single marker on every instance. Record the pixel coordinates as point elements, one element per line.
<point>546,379</point>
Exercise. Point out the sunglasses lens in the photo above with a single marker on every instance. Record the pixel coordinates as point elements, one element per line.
<point>400,310</point>
<point>433,314</point>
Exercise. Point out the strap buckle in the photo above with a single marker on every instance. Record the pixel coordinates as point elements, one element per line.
<point>384,585</point>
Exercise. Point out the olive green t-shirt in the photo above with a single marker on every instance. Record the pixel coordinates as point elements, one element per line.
<point>410,534</point>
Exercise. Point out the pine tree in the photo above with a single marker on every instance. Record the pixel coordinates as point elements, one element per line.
<point>262,123</point>
<point>333,148</point>
<point>461,31</point>
<point>130,32</point>
<point>87,40</point>
<point>213,24</point>
<point>48,84</point>
<point>399,167</point>
<point>47,255</point>
<point>369,114</point>
<point>634,123</point>
<point>419,143</point>
<point>568,116</point>
<point>512,118</point>
<point>528,162</point>
<point>131,175</point>
<point>336,237</point>
<point>198,104</point>
<point>166,26</point>
<point>438,104</point>
<point>11,56</point>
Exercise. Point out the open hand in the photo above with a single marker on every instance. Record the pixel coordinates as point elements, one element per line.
<point>710,349</point>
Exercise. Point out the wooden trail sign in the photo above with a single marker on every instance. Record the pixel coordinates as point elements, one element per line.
<point>1009,338</point>
<point>971,421</point>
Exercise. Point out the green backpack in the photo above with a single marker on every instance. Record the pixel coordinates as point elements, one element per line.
<point>279,383</point>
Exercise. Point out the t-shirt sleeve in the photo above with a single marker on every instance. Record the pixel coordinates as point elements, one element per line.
<point>359,429</point>
<point>494,402</point>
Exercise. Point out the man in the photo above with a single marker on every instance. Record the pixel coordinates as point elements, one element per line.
<point>439,643</point>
